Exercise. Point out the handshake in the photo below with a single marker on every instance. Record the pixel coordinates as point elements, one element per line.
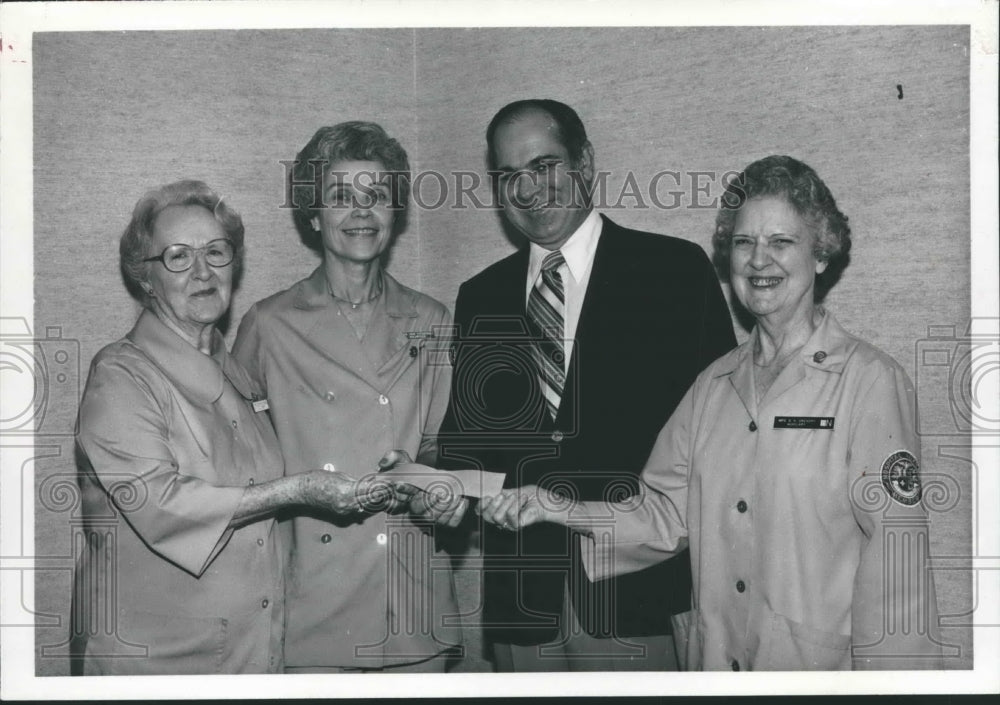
<point>435,496</point>
<point>398,486</point>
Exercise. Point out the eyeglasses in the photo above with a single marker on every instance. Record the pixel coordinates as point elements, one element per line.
<point>180,258</point>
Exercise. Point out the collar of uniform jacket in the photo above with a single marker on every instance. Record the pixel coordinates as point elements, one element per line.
<point>314,292</point>
<point>827,349</point>
<point>200,377</point>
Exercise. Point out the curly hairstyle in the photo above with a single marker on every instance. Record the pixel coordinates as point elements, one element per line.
<point>800,185</point>
<point>133,247</point>
<point>346,141</point>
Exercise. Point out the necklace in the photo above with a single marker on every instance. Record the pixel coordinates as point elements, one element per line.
<point>354,304</point>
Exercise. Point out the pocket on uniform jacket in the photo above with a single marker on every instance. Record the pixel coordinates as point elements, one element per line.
<point>794,646</point>
<point>175,645</point>
<point>689,639</point>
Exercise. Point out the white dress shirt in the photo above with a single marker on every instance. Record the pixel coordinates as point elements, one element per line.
<point>578,251</point>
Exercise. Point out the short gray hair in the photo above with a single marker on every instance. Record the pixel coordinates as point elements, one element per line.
<point>134,245</point>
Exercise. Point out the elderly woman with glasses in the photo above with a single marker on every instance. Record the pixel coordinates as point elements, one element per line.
<point>180,470</point>
<point>353,364</point>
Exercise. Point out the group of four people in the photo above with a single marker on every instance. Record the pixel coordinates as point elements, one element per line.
<point>596,368</point>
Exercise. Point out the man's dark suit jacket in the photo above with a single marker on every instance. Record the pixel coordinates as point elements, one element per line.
<point>653,317</point>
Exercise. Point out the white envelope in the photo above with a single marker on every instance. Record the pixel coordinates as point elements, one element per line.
<point>471,483</point>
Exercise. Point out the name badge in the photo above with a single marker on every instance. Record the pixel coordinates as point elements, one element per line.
<point>420,334</point>
<point>824,422</point>
<point>260,405</point>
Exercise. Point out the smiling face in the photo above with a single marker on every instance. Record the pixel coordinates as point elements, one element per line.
<point>538,194</point>
<point>356,223</point>
<point>772,266</point>
<point>198,297</point>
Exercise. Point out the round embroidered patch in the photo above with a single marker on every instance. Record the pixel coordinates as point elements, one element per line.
<point>900,477</point>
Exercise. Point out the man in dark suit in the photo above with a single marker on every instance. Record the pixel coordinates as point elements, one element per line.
<point>566,366</point>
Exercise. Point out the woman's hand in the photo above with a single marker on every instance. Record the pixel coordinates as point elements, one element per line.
<point>337,492</point>
<point>440,507</point>
<point>331,490</point>
<point>328,490</point>
<point>393,458</point>
<point>517,508</point>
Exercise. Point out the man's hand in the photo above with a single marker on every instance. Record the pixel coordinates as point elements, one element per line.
<point>439,506</point>
<point>517,508</point>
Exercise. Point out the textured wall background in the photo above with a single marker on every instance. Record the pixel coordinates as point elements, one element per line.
<point>116,113</point>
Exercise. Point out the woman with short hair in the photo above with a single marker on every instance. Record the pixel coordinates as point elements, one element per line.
<point>353,365</point>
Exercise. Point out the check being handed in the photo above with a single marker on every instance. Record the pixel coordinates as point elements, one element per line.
<point>468,483</point>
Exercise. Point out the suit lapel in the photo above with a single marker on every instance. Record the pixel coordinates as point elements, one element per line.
<point>511,299</point>
<point>594,328</point>
<point>503,318</point>
<point>605,274</point>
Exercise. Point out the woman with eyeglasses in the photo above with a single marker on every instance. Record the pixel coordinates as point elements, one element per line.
<point>180,470</point>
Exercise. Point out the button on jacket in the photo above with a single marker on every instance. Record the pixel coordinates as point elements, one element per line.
<point>168,442</point>
<point>369,593</point>
<point>653,317</point>
<point>787,525</point>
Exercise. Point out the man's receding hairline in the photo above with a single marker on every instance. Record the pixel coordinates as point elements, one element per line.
<point>524,113</point>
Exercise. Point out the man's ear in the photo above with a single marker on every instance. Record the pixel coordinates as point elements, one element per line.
<point>585,165</point>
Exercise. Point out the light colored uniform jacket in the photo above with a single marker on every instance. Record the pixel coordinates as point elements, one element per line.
<point>374,592</point>
<point>168,441</point>
<point>808,537</point>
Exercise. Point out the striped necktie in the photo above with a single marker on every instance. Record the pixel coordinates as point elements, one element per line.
<point>546,307</point>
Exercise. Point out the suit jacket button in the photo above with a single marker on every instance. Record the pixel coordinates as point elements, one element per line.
<point>753,426</point>
<point>383,399</point>
<point>330,396</point>
<point>326,538</point>
<point>820,356</point>
<point>557,436</point>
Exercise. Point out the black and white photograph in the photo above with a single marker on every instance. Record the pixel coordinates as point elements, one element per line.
<point>530,348</point>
